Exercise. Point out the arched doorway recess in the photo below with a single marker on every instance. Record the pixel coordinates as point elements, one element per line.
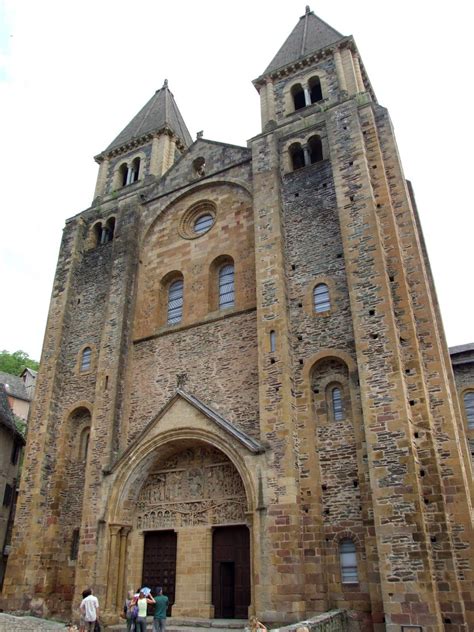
<point>178,497</point>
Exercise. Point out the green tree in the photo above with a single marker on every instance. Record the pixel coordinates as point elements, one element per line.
<point>15,362</point>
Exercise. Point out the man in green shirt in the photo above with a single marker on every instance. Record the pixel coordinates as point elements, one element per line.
<point>161,606</point>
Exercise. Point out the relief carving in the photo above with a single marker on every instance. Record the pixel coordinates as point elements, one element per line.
<point>198,486</point>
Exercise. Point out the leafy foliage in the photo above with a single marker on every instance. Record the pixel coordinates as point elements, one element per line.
<point>15,362</point>
<point>20,425</point>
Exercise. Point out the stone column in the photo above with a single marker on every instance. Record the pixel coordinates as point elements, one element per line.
<point>349,71</point>
<point>307,156</point>
<point>307,96</point>
<point>358,72</point>
<point>102,178</point>
<point>340,70</point>
<point>111,598</point>
<point>270,101</point>
<point>121,567</point>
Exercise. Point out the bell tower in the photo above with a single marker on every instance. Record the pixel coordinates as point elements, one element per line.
<point>148,146</point>
<point>370,445</point>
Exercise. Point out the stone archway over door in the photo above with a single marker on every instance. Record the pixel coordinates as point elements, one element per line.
<point>192,490</point>
<point>231,572</point>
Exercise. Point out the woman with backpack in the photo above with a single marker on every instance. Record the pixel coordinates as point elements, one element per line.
<point>141,603</point>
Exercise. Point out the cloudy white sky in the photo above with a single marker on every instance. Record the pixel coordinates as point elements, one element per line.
<point>72,75</point>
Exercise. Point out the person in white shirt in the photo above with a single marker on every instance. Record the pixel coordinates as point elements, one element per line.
<point>89,610</point>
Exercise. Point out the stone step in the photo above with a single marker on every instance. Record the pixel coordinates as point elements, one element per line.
<point>175,624</point>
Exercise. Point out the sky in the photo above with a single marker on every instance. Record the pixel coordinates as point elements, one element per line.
<point>73,74</point>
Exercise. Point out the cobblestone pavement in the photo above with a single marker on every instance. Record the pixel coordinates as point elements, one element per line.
<point>10,623</point>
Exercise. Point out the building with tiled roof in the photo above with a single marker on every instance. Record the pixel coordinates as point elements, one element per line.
<point>11,443</point>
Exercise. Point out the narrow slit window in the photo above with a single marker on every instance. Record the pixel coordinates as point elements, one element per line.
<point>273,341</point>
<point>337,406</point>
<point>74,545</point>
<point>321,298</point>
<point>175,302</point>
<point>226,286</point>
<point>348,558</point>
<point>84,444</point>
<point>86,359</point>
<point>469,408</point>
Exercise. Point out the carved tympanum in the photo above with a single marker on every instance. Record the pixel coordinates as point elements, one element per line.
<point>198,486</point>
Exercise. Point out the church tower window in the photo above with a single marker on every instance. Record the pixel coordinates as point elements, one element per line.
<point>315,149</point>
<point>123,174</point>
<point>226,286</point>
<point>337,405</point>
<point>348,559</point>
<point>297,156</point>
<point>297,93</point>
<point>321,300</point>
<point>175,302</point>
<point>86,360</point>
<point>315,91</point>
<point>134,172</point>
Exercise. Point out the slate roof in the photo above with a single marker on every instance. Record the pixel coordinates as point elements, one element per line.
<point>6,415</point>
<point>14,386</point>
<point>161,111</point>
<point>309,35</point>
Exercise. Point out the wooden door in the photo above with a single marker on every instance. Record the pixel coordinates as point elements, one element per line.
<point>159,564</point>
<point>231,572</point>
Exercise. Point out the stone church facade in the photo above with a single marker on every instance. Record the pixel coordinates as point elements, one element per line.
<point>245,393</point>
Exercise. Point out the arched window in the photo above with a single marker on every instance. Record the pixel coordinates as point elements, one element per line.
<point>337,405</point>
<point>315,149</point>
<point>86,359</point>
<point>175,302</point>
<point>134,171</point>
<point>321,300</point>
<point>273,341</point>
<point>297,156</point>
<point>348,559</point>
<point>123,174</point>
<point>110,226</point>
<point>297,93</point>
<point>315,89</point>
<point>226,286</point>
<point>203,223</point>
<point>469,409</point>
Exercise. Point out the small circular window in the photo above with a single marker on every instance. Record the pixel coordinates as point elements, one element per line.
<point>203,223</point>
<point>197,220</point>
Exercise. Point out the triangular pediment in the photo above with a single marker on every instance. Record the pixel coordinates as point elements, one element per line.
<point>201,161</point>
<point>186,411</point>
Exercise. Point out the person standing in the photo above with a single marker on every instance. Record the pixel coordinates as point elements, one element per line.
<point>142,602</point>
<point>90,610</point>
<point>161,606</point>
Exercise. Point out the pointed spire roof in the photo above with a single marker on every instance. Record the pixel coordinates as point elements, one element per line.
<point>309,35</point>
<point>160,112</point>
